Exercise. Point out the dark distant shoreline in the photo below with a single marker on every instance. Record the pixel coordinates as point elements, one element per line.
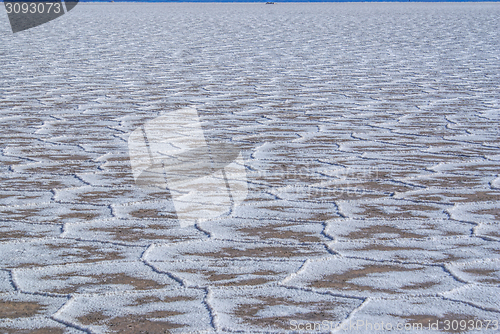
<point>275,2</point>
<point>279,1</point>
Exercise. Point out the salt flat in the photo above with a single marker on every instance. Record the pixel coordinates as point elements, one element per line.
<point>371,141</point>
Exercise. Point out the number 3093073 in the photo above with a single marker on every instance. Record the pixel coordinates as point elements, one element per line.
<point>33,8</point>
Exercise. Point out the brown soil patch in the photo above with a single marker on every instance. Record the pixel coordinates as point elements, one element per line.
<point>108,195</point>
<point>211,274</point>
<point>155,299</point>
<point>483,273</point>
<point>386,248</point>
<point>250,282</point>
<point>370,232</point>
<point>423,285</point>
<point>287,178</point>
<point>35,214</point>
<point>269,138</point>
<point>449,181</point>
<point>342,194</point>
<point>215,278</point>
<point>133,324</point>
<point>478,196</point>
<point>319,216</point>
<point>100,196</point>
<point>477,271</point>
<point>87,254</point>
<point>248,313</point>
<point>56,156</point>
<point>68,168</point>
<point>21,214</point>
<point>495,234</point>
<point>152,213</point>
<point>328,193</point>
<point>137,233</point>
<point>449,258</point>
<point>19,196</point>
<point>261,252</point>
<point>494,212</point>
<point>10,235</point>
<point>380,186</point>
<point>78,214</point>
<point>121,158</point>
<point>396,174</point>
<point>97,254</point>
<point>341,281</point>
<point>14,310</point>
<point>124,177</point>
<point>311,214</point>
<point>279,231</point>
<point>487,169</point>
<point>20,184</point>
<point>409,211</point>
<point>106,279</point>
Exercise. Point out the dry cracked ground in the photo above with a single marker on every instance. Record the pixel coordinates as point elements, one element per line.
<point>371,140</point>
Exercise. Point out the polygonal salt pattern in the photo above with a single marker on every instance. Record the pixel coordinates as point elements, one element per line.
<point>353,230</point>
<point>158,311</point>
<point>450,196</point>
<point>229,249</point>
<point>55,213</point>
<point>429,250</point>
<point>229,273</point>
<point>483,296</point>
<point>96,195</point>
<point>449,181</point>
<point>392,208</point>
<point>38,325</point>
<point>47,152</point>
<point>491,231</point>
<point>10,230</point>
<point>372,162</point>
<point>21,198</point>
<point>162,208</point>
<point>484,271</point>
<point>421,315</point>
<point>139,232</point>
<point>37,182</point>
<point>70,167</point>
<point>107,178</point>
<point>271,230</point>
<point>273,309</point>
<point>307,211</point>
<point>476,167</point>
<point>479,212</point>
<point>22,313</point>
<point>99,277</point>
<point>61,251</point>
<point>369,278</point>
